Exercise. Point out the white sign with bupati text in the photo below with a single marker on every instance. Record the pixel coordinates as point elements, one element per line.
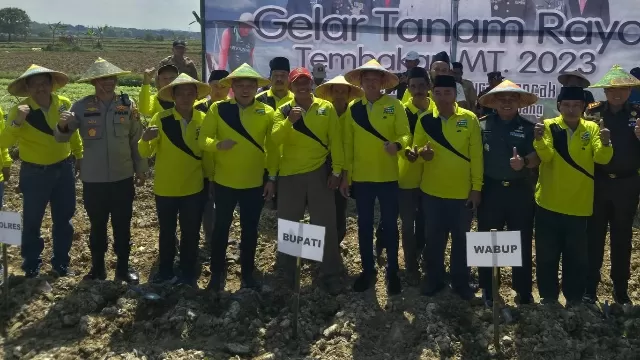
<point>494,248</point>
<point>301,240</point>
<point>10,228</point>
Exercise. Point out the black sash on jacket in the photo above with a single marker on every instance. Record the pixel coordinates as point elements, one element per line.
<point>172,128</point>
<point>361,117</point>
<point>37,119</point>
<point>433,127</point>
<point>230,114</point>
<point>561,145</point>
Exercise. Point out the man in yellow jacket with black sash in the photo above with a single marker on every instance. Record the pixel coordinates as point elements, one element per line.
<point>47,170</point>
<point>238,133</point>
<point>312,159</point>
<point>449,143</point>
<point>181,166</point>
<point>568,147</point>
<point>375,130</point>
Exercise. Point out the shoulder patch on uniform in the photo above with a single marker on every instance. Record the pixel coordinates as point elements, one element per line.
<point>594,105</point>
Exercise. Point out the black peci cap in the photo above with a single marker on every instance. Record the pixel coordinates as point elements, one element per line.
<point>280,63</point>
<point>456,65</point>
<point>418,72</point>
<point>441,56</point>
<point>444,81</point>
<point>218,75</point>
<point>495,75</point>
<point>571,93</point>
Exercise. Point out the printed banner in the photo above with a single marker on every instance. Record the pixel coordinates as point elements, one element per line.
<point>531,42</point>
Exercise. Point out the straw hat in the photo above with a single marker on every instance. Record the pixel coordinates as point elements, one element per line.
<point>616,78</point>
<point>244,71</point>
<point>564,79</point>
<point>18,87</point>
<point>166,93</point>
<point>101,68</point>
<point>390,80</point>
<point>324,91</point>
<point>508,87</point>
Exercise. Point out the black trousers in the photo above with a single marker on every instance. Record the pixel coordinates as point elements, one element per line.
<point>560,235</point>
<point>341,215</point>
<point>114,199</point>
<point>187,210</point>
<point>251,203</point>
<point>511,205</point>
<point>444,217</point>
<point>615,205</point>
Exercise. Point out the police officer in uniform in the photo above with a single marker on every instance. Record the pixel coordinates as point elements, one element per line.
<point>507,140</point>
<point>110,127</point>
<point>617,186</point>
<point>183,63</point>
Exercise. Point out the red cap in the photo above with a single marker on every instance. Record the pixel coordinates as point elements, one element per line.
<point>299,72</point>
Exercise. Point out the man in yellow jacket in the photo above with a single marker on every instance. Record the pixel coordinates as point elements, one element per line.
<point>180,167</point>
<point>47,170</point>
<point>238,133</point>
<point>375,130</point>
<point>411,213</point>
<point>312,159</point>
<point>449,143</point>
<point>568,147</point>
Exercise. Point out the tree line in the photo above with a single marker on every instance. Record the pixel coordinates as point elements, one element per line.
<point>16,25</point>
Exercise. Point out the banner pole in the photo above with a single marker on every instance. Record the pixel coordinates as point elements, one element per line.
<point>203,43</point>
<point>5,277</point>
<point>455,4</point>
<point>296,297</point>
<point>495,282</point>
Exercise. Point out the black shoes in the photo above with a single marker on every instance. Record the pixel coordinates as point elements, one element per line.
<point>129,276</point>
<point>431,288</point>
<point>393,285</point>
<point>96,273</point>
<point>364,282</point>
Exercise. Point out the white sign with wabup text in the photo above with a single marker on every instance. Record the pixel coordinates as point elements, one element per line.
<point>497,248</point>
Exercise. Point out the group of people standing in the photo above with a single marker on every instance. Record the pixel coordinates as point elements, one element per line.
<point>427,160</point>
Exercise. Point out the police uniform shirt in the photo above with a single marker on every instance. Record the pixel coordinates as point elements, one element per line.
<point>110,132</point>
<point>499,137</point>
<point>565,184</point>
<point>626,157</point>
<point>187,66</point>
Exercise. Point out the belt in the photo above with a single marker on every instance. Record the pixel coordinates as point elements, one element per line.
<point>619,175</point>
<point>505,183</point>
<point>41,166</point>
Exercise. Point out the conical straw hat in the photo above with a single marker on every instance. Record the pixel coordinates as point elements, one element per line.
<point>244,71</point>
<point>18,87</point>
<point>507,87</point>
<point>101,68</point>
<point>390,80</point>
<point>166,93</point>
<point>324,91</point>
<point>616,78</point>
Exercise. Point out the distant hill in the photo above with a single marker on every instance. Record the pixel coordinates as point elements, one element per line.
<point>40,29</point>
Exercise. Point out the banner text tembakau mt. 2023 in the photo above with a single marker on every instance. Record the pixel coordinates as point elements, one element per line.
<point>530,41</point>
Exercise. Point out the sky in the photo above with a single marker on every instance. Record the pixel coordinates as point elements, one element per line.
<point>141,14</point>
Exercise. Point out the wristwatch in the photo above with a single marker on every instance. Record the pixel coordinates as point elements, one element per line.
<point>272,178</point>
<point>336,174</point>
